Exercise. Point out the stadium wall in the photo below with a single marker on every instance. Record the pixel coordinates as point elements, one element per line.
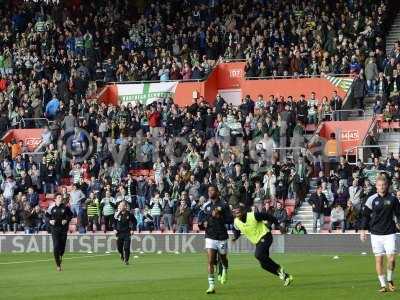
<point>349,134</point>
<point>228,76</point>
<point>185,243</point>
<point>30,137</point>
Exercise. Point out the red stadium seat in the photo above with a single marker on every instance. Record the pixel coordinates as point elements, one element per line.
<point>290,210</point>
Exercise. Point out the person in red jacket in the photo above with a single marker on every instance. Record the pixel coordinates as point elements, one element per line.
<point>154,120</point>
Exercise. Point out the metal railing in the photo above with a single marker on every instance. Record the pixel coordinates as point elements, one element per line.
<point>361,148</point>
<point>284,151</point>
<point>35,121</point>
<point>299,76</point>
<point>345,113</point>
<point>37,155</point>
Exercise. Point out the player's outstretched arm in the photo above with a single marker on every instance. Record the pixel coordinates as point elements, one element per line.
<point>236,234</point>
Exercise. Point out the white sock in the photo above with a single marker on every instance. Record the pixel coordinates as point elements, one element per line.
<point>211,280</point>
<point>382,280</point>
<point>389,275</point>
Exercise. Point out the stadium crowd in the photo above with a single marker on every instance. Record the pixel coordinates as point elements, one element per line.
<point>50,57</point>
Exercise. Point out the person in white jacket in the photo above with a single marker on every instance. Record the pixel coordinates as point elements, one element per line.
<point>337,217</point>
<point>327,191</point>
<point>269,185</point>
<point>355,192</point>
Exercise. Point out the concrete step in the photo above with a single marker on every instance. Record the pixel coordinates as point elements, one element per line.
<point>305,223</point>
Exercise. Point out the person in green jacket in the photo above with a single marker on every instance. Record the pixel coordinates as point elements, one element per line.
<point>251,224</point>
<point>93,211</point>
<point>298,229</point>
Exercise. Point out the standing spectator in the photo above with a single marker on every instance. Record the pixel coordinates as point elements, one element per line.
<point>182,217</point>
<point>93,212</point>
<point>139,220</point>
<point>281,216</point>
<point>49,180</point>
<point>76,196</point>
<point>360,90</point>
<point>142,188</point>
<point>107,209</point>
<point>319,203</point>
<point>336,104</point>
<point>371,73</point>
<point>355,192</point>
<point>155,206</point>
<point>351,217</point>
<point>8,186</point>
<point>32,197</point>
<point>168,206</point>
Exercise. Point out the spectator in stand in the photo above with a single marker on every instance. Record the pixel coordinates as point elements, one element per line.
<point>351,217</point>
<point>359,90</point>
<point>298,229</point>
<point>93,212</point>
<point>168,208</point>
<point>155,210</point>
<point>355,192</point>
<point>182,217</point>
<point>148,222</point>
<point>319,203</point>
<point>77,197</point>
<point>107,209</point>
<point>281,216</point>
<point>341,196</point>
<point>139,220</point>
<point>337,218</point>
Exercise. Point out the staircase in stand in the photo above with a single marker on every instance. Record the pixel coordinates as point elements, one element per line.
<point>304,213</point>
<point>392,139</point>
<point>394,34</point>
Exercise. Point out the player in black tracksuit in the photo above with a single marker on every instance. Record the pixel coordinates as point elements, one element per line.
<point>124,224</point>
<point>216,215</point>
<point>59,217</point>
<point>379,214</point>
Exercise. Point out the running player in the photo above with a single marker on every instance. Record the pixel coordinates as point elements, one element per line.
<point>124,225</point>
<point>251,224</point>
<point>217,215</point>
<point>59,216</point>
<point>378,215</point>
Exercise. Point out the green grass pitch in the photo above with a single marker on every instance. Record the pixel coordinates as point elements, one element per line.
<point>175,277</point>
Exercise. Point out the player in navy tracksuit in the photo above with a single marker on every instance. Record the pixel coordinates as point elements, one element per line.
<point>59,217</point>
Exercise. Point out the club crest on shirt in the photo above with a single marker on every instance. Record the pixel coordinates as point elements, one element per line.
<point>62,211</point>
<point>387,203</point>
<point>376,202</point>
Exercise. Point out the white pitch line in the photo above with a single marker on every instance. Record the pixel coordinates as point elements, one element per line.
<point>44,260</point>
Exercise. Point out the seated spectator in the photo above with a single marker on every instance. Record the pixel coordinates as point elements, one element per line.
<point>298,229</point>
<point>337,218</point>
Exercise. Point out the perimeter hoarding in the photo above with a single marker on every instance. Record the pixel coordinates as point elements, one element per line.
<point>185,243</point>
